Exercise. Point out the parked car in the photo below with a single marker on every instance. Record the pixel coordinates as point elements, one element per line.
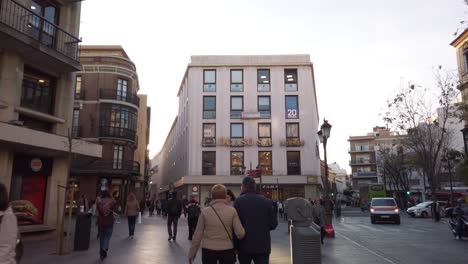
<point>384,209</point>
<point>424,209</point>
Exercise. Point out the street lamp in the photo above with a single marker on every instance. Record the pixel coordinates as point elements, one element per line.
<point>324,134</point>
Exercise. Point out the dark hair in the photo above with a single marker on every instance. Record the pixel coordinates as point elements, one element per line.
<point>248,183</point>
<point>4,203</point>
<point>231,194</point>
<point>105,194</point>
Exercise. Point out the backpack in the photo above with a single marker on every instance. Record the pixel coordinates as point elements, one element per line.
<point>19,244</point>
<point>193,211</point>
<point>175,207</point>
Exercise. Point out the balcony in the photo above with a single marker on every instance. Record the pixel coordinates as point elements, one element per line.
<point>117,132</point>
<point>113,94</point>
<point>364,174</point>
<point>127,167</point>
<point>38,40</point>
<point>366,149</point>
<point>361,162</point>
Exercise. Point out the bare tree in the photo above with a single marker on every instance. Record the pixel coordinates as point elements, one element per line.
<point>413,112</point>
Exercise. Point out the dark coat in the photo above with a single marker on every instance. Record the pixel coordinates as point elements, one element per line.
<point>258,218</point>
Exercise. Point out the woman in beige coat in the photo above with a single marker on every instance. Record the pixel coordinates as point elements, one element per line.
<point>215,229</point>
<point>8,229</point>
<point>131,211</point>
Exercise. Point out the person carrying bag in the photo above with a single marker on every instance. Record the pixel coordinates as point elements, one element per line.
<point>214,230</point>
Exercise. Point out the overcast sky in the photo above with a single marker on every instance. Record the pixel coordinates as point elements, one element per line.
<point>361,49</point>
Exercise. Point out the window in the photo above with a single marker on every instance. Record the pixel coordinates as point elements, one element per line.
<point>209,80</point>
<point>265,162</point>
<point>118,157</point>
<point>118,121</point>
<point>292,107</point>
<point>237,134</point>
<point>209,163</point>
<point>237,106</point>
<point>263,80</point>
<point>209,135</point>
<point>237,80</point>
<point>294,162</point>
<point>40,29</point>
<point>38,91</point>
<point>465,57</point>
<point>264,106</point>
<point>237,162</point>
<point>264,135</point>
<point>292,135</point>
<point>209,107</point>
<point>122,89</point>
<point>76,123</point>
<point>290,80</point>
<point>78,92</point>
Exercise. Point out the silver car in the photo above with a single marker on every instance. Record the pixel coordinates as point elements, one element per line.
<point>424,209</point>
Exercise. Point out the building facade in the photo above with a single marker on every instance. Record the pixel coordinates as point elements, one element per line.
<point>38,58</point>
<point>460,43</point>
<point>109,112</point>
<point>240,113</point>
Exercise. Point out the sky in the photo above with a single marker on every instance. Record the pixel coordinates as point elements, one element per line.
<point>362,50</point>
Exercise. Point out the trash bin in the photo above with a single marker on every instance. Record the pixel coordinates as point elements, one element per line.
<point>82,231</point>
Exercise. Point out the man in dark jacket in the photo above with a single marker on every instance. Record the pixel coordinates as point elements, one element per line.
<point>258,217</point>
<point>174,210</point>
<point>193,210</point>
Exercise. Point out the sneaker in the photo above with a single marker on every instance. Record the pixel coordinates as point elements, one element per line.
<point>169,239</point>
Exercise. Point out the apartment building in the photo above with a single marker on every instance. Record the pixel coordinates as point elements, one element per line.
<point>108,111</point>
<point>238,113</point>
<point>460,43</point>
<point>38,58</point>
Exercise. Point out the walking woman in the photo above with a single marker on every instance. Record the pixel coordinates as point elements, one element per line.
<point>131,211</point>
<point>105,221</point>
<point>8,229</point>
<point>215,227</point>
<point>318,213</point>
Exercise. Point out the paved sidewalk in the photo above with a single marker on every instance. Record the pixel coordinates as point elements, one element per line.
<point>150,245</point>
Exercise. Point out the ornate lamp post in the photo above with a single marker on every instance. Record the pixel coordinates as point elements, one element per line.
<point>324,134</point>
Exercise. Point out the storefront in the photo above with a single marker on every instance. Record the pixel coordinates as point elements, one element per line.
<point>29,188</point>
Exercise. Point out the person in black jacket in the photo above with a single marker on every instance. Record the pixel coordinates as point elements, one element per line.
<point>258,217</point>
<point>174,210</point>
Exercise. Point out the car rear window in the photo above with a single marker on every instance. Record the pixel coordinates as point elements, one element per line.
<point>383,202</point>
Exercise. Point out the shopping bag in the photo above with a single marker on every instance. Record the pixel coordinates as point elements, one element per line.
<point>116,218</point>
<point>139,218</point>
<point>329,231</point>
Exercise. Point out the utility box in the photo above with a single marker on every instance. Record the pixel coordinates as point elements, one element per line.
<point>305,245</point>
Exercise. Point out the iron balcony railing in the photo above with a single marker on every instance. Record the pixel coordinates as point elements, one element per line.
<point>114,94</point>
<point>27,22</point>
<point>112,166</point>
<point>361,162</point>
<point>76,132</point>
<point>365,149</point>
<point>117,132</point>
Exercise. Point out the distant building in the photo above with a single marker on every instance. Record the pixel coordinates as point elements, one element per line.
<point>109,111</point>
<point>38,57</point>
<point>237,113</point>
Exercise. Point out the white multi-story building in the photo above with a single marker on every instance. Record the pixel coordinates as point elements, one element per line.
<point>238,113</point>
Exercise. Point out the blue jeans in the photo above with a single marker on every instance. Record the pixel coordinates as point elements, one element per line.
<point>105,233</point>
<point>131,224</point>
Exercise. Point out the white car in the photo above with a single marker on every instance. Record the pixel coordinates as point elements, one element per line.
<point>384,209</point>
<point>424,209</point>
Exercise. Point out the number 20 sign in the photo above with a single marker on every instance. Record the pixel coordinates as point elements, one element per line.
<point>292,113</point>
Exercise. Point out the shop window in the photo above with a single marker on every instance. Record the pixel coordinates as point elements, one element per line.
<point>209,163</point>
<point>237,162</point>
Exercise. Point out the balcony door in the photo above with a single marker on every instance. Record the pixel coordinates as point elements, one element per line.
<point>42,25</point>
<point>118,157</point>
<point>122,88</point>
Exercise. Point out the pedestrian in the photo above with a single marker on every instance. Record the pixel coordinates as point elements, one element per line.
<point>215,227</point>
<point>164,208</point>
<point>174,210</point>
<point>436,211</point>
<point>152,203</point>
<point>258,218</point>
<point>106,207</point>
<point>142,206</point>
<point>83,203</point>
<point>318,213</point>
<point>8,229</point>
<point>131,211</point>
<point>184,205</point>
<point>280,209</point>
<point>230,197</point>
<point>193,212</point>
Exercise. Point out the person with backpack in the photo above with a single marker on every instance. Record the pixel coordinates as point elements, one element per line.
<point>174,208</point>
<point>105,208</point>
<point>8,229</point>
<point>193,212</point>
